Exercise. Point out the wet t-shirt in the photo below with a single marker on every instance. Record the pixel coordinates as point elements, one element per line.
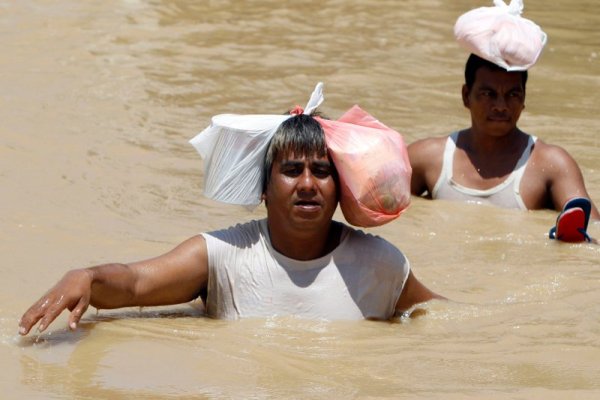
<point>362,277</point>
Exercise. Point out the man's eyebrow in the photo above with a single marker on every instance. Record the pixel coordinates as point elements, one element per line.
<point>291,162</point>
<point>485,86</point>
<point>321,163</point>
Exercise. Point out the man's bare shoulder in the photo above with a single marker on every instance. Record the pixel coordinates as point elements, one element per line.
<point>550,157</point>
<point>560,172</point>
<point>427,149</point>
<point>426,157</point>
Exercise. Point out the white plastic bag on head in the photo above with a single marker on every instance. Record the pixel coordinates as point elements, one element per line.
<point>500,35</point>
<point>233,148</point>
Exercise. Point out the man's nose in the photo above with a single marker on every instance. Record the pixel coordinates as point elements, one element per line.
<point>500,103</point>
<point>306,181</point>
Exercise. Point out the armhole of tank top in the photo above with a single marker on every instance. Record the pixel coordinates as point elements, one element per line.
<point>522,164</point>
<point>447,163</point>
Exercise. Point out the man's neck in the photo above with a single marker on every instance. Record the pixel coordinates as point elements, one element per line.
<point>490,156</point>
<point>481,143</point>
<point>305,245</point>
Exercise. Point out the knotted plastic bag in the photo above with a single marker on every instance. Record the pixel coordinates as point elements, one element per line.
<point>500,35</point>
<point>233,148</point>
<point>373,168</point>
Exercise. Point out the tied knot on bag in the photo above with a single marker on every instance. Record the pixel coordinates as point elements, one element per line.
<point>514,8</point>
<point>297,110</point>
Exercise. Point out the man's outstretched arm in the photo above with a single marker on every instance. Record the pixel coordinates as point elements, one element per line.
<point>174,277</point>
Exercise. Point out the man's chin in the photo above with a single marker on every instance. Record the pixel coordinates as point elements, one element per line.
<point>308,221</point>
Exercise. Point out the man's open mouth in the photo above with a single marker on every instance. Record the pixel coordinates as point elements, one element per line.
<point>307,205</point>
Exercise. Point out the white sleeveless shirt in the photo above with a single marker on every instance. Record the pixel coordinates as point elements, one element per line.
<point>506,194</point>
<point>362,278</point>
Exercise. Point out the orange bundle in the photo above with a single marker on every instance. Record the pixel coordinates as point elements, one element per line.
<point>373,167</point>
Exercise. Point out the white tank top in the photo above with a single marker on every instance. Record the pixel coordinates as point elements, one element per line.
<point>362,278</point>
<point>506,194</point>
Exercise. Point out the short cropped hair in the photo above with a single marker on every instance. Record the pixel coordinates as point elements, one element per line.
<point>299,135</point>
<point>475,62</point>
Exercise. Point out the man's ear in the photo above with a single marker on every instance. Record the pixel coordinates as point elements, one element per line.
<point>465,96</point>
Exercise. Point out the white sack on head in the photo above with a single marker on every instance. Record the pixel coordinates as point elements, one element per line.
<point>500,35</point>
<point>233,148</point>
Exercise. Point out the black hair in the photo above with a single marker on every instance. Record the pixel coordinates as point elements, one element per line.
<point>299,135</point>
<point>475,62</point>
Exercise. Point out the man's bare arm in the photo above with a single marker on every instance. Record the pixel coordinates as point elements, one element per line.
<point>563,175</point>
<point>175,277</point>
<point>426,157</point>
<point>414,292</point>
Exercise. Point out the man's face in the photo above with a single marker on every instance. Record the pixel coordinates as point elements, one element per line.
<point>301,194</point>
<point>495,100</point>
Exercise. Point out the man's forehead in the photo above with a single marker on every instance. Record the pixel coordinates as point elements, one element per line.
<point>291,157</point>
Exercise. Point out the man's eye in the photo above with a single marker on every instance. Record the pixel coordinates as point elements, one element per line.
<point>291,171</point>
<point>321,173</point>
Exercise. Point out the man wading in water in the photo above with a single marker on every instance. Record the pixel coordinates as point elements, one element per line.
<point>297,261</point>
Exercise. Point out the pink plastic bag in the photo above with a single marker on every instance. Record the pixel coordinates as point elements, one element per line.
<point>373,167</point>
<point>500,35</point>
